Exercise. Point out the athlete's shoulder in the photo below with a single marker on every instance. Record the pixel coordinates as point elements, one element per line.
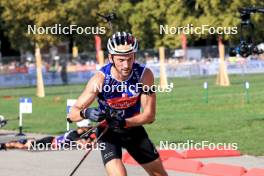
<point>147,76</point>
<point>105,69</point>
<point>139,66</point>
<point>96,80</point>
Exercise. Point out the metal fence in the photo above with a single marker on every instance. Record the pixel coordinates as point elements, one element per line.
<point>172,70</point>
<point>21,71</point>
<point>208,68</point>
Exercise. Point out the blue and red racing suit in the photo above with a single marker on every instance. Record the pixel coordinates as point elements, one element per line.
<point>127,102</point>
<point>122,96</point>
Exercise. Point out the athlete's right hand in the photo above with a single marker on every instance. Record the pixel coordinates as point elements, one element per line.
<point>93,114</point>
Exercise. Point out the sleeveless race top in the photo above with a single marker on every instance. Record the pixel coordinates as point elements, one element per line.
<point>122,96</point>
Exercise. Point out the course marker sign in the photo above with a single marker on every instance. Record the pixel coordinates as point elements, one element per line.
<point>25,107</point>
<point>70,103</point>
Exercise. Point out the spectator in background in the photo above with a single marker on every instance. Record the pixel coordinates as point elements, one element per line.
<point>53,71</point>
<point>63,72</point>
<point>31,73</point>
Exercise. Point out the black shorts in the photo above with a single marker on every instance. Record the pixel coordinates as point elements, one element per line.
<point>135,140</point>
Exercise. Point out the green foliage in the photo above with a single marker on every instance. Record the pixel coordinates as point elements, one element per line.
<point>143,18</point>
<point>81,13</point>
<point>17,15</point>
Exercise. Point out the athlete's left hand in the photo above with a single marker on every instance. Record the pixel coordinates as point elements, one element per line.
<point>115,120</point>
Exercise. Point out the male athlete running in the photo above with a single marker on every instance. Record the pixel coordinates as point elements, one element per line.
<point>125,120</point>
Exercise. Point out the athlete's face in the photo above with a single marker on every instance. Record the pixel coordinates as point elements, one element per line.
<point>123,63</point>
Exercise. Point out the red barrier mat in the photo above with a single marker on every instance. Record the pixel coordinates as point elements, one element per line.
<point>206,153</point>
<point>165,154</point>
<point>128,159</point>
<point>184,165</point>
<point>214,169</point>
<point>255,172</point>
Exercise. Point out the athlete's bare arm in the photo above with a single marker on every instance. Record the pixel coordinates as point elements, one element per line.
<point>87,97</point>
<point>148,104</point>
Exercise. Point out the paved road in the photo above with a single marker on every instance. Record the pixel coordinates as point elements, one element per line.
<point>57,163</point>
<point>61,163</point>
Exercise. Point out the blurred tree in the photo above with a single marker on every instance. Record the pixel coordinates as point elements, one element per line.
<point>123,9</point>
<point>149,14</point>
<point>146,20</point>
<point>143,18</point>
<point>81,13</point>
<point>225,13</point>
<point>18,14</point>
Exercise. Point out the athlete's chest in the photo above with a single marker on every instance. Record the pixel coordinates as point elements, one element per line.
<point>121,95</point>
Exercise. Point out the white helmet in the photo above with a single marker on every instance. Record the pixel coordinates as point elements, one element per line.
<point>122,43</point>
<point>84,123</point>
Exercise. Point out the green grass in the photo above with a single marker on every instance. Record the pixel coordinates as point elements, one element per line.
<point>182,114</point>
